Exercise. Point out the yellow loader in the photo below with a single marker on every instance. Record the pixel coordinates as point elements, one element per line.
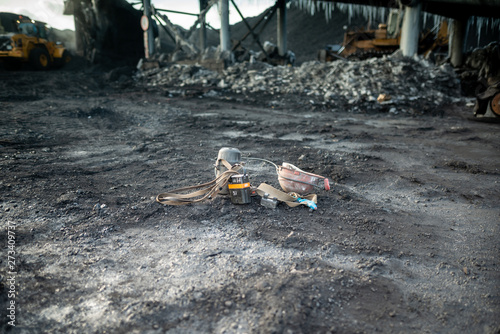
<point>23,40</point>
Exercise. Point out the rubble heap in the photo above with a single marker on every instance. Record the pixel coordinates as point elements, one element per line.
<point>409,83</point>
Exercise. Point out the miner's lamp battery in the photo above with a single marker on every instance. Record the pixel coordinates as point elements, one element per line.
<point>239,189</point>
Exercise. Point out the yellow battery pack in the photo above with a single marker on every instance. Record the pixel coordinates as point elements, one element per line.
<point>239,189</point>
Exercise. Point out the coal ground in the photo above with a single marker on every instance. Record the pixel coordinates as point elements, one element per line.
<point>406,241</point>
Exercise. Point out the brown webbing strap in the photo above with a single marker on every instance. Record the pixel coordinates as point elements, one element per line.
<point>289,199</point>
<point>208,190</point>
<point>212,188</point>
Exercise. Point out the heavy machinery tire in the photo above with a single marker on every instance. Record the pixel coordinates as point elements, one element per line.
<point>495,104</point>
<point>40,59</point>
<point>60,62</point>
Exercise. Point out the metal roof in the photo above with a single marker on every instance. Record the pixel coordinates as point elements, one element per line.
<point>457,9</point>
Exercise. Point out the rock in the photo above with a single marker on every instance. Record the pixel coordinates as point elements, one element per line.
<point>406,81</point>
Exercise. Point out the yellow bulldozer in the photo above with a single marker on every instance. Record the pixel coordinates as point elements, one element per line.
<point>365,43</point>
<point>23,40</point>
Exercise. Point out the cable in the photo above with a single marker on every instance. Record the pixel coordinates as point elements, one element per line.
<point>272,163</point>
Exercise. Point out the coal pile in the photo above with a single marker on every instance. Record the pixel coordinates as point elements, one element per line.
<point>391,83</point>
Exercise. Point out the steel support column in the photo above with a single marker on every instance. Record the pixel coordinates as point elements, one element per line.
<point>281,30</point>
<point>203,28</point>
<point>79,43</point>
<point>149,39</point>
<point>456,42</point>
<point>225,39</point>
<point>411,30</point>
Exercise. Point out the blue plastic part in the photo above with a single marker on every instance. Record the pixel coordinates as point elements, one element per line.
<point>308,202</point>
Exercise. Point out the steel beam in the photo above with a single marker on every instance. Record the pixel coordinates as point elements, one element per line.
<point>255,37</point>
<point>176,11</point>
<point>266,16</point>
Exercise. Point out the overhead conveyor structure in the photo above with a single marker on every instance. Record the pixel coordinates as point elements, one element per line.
<point>458,10</point>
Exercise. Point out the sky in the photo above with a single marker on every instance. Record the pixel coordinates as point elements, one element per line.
<point>50,11</point>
